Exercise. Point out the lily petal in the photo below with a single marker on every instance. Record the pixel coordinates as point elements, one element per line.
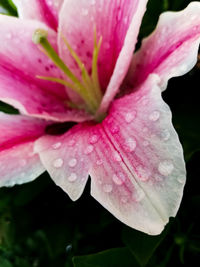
<point>117,22</point>
<point>171,50</point>
<point>134,158</point>
<point>18,162</point>
<point>139,127</point>
<point>20,62</point>
<point>65,160</point>
<point>41,10</point>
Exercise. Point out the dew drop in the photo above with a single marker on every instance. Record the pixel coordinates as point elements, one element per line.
<point>139,195</point>
<point>130,116</point>
<point>89,149</point>
<point>117,156</point>
<point>58,163</point>
<point>73,177</point>
<point>143,174</point>
<point>71,143</point>
<point>154,116</point>
<point>165,167</point>
<point>99,162</point>
<point>130,145</point>
<point>165,135</point>
<point>93,139</point>
<point>117,180</point>
<point>72,163</point>
<point>56,145</point>
<point>124,199</point>
<point>181,179</point>
<point>115,129</point>
<point>107,188</point>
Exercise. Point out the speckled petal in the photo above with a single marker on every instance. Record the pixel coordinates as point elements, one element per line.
<point>18,162</point>
<point>117,22</point>
<point>41,10</point>
<point>139,127</point>
<point>20,62</point>
<point>171,50</point>
<point>65,158</point>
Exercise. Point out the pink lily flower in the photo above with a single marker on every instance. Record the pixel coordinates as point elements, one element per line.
<point>79,67</point>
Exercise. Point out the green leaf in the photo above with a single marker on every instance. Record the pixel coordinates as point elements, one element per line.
<point>7,7</point>
<point>5,263</point>
<point>117,257</point>
<point>142,245</point>
<point>7,108</point>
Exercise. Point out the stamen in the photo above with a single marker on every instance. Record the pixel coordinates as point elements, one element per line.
<point>89,88</point>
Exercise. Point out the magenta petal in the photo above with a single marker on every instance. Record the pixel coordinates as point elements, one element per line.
<point>112,20</point>
<point>18,162</point>
<point>65,160</point>
<point>41,10</point>
<point>171,50</point>
<point>19,65</point>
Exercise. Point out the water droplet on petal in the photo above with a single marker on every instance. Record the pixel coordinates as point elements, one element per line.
<point>93,139</point>
<point>143,174</point>
<point>130,116</point>
<point>56,145</point>
<point>124,199</point>
<point>139,195</point>
<point>72,163</point>
<point>117,180</point>
<point>115,129</point>
<point>73,177</point>
<point>58,163</point>
<point>99,162</point>
<point>130,145</point>
<point>181,179</point>
<point>154,116</point>
<point>165,135</point>
<point>117,156</point>
<point>71,143</point>
<point>89,149</point>
<point>107,188</point>
<point>165,167</point>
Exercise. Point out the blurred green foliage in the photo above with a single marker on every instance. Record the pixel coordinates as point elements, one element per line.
<point>40,226</point>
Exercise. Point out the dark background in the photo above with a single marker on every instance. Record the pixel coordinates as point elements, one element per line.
<point>40,225</point>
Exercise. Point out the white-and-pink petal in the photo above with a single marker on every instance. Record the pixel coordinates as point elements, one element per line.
<point>65,158</point>
<point>18,162</point>
<point>20,62</point>
<point>42,10</point>
<point>134,158</point>
<point>171,50</point>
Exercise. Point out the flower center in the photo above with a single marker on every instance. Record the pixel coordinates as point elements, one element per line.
<point>88,87</point>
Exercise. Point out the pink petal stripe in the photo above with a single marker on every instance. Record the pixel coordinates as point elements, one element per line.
<point>112,20</point>
<point>125,56</point>
<point>171,50</point>
<point>139,127</point>
<point>18,162</point>
<point>19,65</point>
<point>41,10</point>
<point>65,158</point>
